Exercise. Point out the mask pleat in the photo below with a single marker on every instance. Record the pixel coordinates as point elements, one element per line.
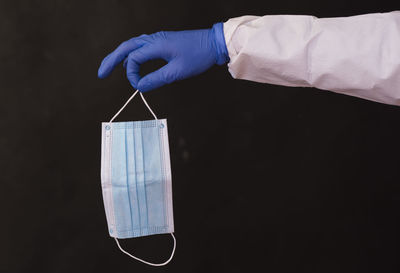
<point>154,185</point>
<point>144,180</point>
<point>128,176</point>
<point>163,177</point>
<point>119,182</point>
<point>133,190</point>
<point>140,179</point>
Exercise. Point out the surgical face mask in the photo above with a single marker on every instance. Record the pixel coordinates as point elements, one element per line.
<point>136,179</point>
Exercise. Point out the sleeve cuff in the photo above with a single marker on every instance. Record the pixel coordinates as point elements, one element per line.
<point>220,45</point>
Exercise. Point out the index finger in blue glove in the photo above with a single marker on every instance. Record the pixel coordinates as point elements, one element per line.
<point>118,55</point>
<point>139,56</point>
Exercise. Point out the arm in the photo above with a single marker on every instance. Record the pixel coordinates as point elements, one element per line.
<point>357,56</point>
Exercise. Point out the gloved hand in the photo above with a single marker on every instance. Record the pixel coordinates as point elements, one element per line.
<point>188,53</point>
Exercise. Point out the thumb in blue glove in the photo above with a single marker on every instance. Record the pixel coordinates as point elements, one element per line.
<point>187,53</point>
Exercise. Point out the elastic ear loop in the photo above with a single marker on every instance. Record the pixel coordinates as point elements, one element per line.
<point>146,262</point>
<point>126,103</point>
<point>116,240</point>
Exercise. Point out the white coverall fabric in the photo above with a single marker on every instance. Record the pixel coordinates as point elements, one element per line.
<point>357,55</point>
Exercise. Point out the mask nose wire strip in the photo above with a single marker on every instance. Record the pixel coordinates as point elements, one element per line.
<point>126,103</point>
<point>146,262</point>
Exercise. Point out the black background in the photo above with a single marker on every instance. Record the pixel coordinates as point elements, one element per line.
<point>265,178</point>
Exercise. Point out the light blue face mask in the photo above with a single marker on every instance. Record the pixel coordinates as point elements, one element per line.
<point>136,178</point>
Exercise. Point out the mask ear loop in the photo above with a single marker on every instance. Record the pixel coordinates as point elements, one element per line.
<point>126,103</point>
<point>148,107</point>
<point>146,262</point>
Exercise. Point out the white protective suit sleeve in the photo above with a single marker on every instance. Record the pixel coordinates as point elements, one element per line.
<point>357,55</point>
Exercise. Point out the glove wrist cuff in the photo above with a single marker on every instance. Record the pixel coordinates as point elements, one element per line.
<point>222,55</point>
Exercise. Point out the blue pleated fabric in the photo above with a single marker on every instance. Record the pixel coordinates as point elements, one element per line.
<point>141,201</point>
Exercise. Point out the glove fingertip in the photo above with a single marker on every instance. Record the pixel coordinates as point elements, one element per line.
<point>104,68</point>
<point>101,74</point>
<point>133,79</point>
<point>144,86</point>
<point>133,85</point>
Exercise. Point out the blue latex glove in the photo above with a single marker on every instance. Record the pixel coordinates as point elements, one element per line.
<point>188,53</point>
